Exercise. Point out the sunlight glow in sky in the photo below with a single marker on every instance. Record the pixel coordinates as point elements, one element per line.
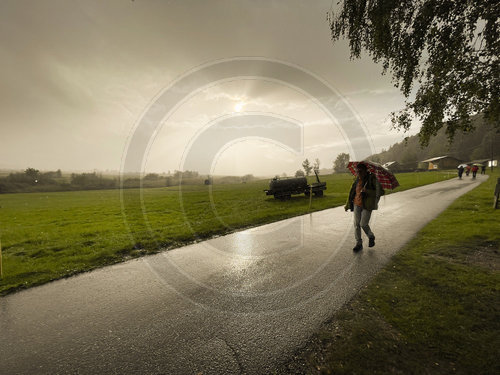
<point>75,78</point>
<point>238,106</point>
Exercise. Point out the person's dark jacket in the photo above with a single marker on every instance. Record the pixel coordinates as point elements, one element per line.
<point>373,192</point>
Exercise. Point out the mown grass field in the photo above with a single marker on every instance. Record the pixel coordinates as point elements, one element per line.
<point>46,236</point>
<point>434,308</point>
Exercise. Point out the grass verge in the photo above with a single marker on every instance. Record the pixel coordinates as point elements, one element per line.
<point>46,236</point>
<point>434,309</point>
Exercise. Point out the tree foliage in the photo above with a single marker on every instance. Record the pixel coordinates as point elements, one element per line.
<point>92,181</point>
<point>448,48</point>
<point>340,164</point>
<point>299,173</point>
<point>316,164</point>
<point>152,176</point>
<point>31,172</point>
<point>483,143</point>
<point>307,167</point>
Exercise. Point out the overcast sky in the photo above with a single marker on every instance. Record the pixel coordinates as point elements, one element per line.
<point>77,77</point>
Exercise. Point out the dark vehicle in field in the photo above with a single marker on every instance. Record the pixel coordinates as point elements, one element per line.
<point>283,188</point>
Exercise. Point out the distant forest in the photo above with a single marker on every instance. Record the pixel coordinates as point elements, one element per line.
<point>482,143</point>
<point>33,180</point>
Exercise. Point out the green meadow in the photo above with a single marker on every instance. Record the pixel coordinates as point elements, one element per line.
<point>46,236</point>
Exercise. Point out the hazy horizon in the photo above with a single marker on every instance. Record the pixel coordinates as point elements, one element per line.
<point>77,77</point>
<point>116,173</point>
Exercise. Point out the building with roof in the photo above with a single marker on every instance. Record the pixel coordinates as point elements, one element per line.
<point>440,162</point>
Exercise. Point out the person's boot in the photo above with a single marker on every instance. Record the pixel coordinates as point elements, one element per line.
<point>358,247</point>
<point>371,242</point>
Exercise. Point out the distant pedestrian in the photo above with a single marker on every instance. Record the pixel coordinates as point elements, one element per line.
<point>460,171</point>
<point>483,169</point>
<point>363,199</point>
<point>467,170</point>
<point>474,170</point>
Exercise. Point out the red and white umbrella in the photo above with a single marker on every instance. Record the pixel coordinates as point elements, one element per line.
<point>383,175</point>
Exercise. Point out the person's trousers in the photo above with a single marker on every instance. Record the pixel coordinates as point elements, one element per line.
<point>361,220</point>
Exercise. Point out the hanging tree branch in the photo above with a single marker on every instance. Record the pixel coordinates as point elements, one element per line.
<point>429,48</point>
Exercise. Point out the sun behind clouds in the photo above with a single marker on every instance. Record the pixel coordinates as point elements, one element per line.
<point>238,107</point>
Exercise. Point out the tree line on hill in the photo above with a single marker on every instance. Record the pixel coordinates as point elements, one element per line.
<point>33,180</point>
<point>483,143</point>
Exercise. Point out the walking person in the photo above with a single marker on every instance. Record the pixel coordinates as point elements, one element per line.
<point>467,170</point>
<point>363,199</point>
<point>460,171</point>
<point>474,170</point>
<point>483,169</point>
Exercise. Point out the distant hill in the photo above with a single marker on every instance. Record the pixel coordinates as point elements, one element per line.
<point>483,143</point>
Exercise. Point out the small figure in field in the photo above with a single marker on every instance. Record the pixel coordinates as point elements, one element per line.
<point>483,169</point>
<point>474,170</point>
<point>363,199</point>
<point>460,171</point>
<point>467,170</point>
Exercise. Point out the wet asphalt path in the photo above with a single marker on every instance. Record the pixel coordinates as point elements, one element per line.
<point>235,304</point>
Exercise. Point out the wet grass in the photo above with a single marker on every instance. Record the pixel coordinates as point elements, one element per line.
<point>46,236</point>
<point>432,310</point>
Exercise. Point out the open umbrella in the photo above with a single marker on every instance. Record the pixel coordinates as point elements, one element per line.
<point>384,176</point>
<point>462,165</point>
